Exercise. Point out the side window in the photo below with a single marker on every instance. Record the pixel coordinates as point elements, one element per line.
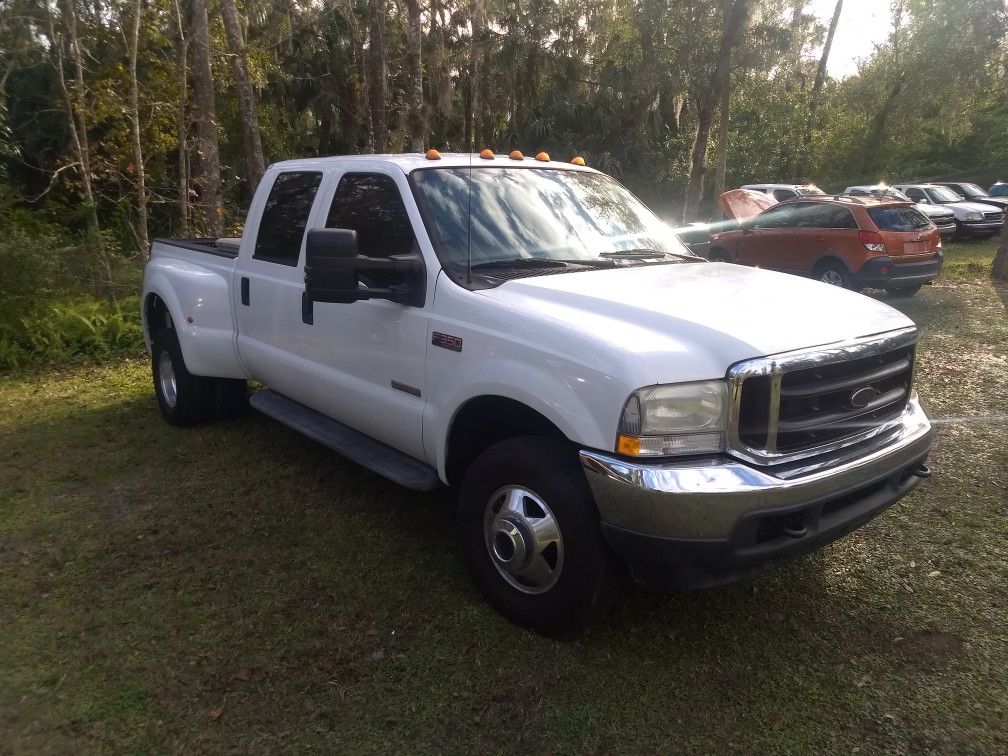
<point>783,194</point>
<point>815,216</point>
<point>841,217</point>
<point>916,195</point>
<point>371,205</point>
<point>779,216</point>
<point>285,216</point>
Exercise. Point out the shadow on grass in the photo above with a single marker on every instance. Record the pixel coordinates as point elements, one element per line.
<point>190,554</point>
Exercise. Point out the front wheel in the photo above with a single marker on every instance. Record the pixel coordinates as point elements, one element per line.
<point>529,533</point>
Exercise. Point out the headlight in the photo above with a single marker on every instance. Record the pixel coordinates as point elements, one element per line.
<point>974,217</point>
<point>681,418</point>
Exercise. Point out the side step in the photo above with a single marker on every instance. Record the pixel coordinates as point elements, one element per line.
<point>362,449</point>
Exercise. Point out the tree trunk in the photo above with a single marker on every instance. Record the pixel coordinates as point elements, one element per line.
<point>721,168</point>
<point>255,164</point>
<point>472,115</point>
<point>999,270</point>
<point>414,47</point>
<point>820,79</point>
<point>378,75</point>
<point>207,144</point>
<point>138,160</point>
<point>736,17</point>
<point>75,110</point>
<point>182,120</point>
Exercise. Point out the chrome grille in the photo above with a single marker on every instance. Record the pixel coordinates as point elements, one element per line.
<point>804,403</point>
<point>993,216</point>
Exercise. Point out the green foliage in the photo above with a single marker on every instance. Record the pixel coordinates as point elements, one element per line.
<point>78,330</point>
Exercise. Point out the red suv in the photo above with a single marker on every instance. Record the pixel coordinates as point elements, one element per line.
<point>854,242</point>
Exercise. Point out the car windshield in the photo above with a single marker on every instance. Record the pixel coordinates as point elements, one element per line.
<point>943,194</point>
<point>810,191</point>
<point>972,190</point>
<point>520,215</point>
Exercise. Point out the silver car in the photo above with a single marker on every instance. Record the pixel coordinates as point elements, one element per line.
<point>972,218</point>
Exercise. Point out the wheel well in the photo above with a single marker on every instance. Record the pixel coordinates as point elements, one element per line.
<point>825,260</point>
<point>156,315</point>
<point>485,421</point>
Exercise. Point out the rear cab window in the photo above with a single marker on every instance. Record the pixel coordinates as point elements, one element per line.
<point>285,216</point>
<point>899,218</point>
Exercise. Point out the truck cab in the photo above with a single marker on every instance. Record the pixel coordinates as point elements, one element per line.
<point>528,332</point>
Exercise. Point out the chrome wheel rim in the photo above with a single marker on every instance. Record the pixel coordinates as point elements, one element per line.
<point>523,539</point>
<point>166,379</point>
<point>831,277</point>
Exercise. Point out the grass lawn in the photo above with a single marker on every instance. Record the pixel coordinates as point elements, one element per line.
<point>237,587</point>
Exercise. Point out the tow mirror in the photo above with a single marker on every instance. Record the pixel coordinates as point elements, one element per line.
<point>335,271</point>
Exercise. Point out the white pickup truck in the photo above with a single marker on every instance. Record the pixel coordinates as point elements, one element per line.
<point>526,330</point>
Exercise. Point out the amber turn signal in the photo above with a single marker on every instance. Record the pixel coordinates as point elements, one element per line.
<point>433,154</point>
<point>516,155</point>
<point>628,445</point>
<point>578,160</point>
<point>487,154</point>
<point>543,157</point>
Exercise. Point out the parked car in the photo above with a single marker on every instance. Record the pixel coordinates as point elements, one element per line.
<point>781,192</point>
<point>973,193</point>
<point>940,215</point>
<point>597,393</point>
<point>853,242</point>
<point>999,189</point>
<point>972,218</point>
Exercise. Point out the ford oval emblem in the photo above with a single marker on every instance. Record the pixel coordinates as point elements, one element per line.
<point>863,397</point>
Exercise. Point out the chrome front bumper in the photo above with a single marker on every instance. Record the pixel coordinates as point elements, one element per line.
<point>706,499</point>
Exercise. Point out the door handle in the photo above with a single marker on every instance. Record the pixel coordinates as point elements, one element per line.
<point>245,291</point>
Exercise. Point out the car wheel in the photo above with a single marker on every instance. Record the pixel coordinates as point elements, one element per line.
<point>529,533</point>
<point>834,274</point>
<point>185,399</point>
<point>719,254</point>
<point>904,291</point>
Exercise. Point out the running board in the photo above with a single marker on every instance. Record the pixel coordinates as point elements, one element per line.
<point>352,444</point>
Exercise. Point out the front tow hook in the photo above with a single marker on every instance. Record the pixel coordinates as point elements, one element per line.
<point>921,471</point>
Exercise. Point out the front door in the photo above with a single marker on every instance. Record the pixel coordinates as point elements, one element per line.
<point>364,363</point>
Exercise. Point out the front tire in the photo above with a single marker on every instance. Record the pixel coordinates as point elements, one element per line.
<point>185,399</point>
<point>529,533</point>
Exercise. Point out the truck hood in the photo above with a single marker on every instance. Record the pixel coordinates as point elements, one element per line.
<point>698,319</point>
<point>935,211</point>
<point>743,204</point>
<point>962,209</point>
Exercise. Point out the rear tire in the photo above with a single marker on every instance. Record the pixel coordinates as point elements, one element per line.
<point>903,291</point>
<point>529,533</point>
<point>834,274</point>
<point>185,399</point>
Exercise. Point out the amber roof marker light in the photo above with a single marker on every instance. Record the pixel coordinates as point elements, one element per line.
<point>432,154</point>
<point>516,155</point>
<point>487,154</point>
<point>543,157</point>
<point>578,160</point>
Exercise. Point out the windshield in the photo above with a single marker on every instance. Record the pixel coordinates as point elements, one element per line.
<point>887,192</point>
<point>943,194</point>
<point>537,214</point>
<point>810,191</point>
<point>972,190</point>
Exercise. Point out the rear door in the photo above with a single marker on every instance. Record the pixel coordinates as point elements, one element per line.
<point>268,281</point>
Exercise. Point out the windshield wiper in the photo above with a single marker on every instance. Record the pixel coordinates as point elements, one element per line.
<point>520,262</point>
<point>645,254</point>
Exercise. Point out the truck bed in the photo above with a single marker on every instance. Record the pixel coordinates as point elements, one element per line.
<point>225,247</point>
